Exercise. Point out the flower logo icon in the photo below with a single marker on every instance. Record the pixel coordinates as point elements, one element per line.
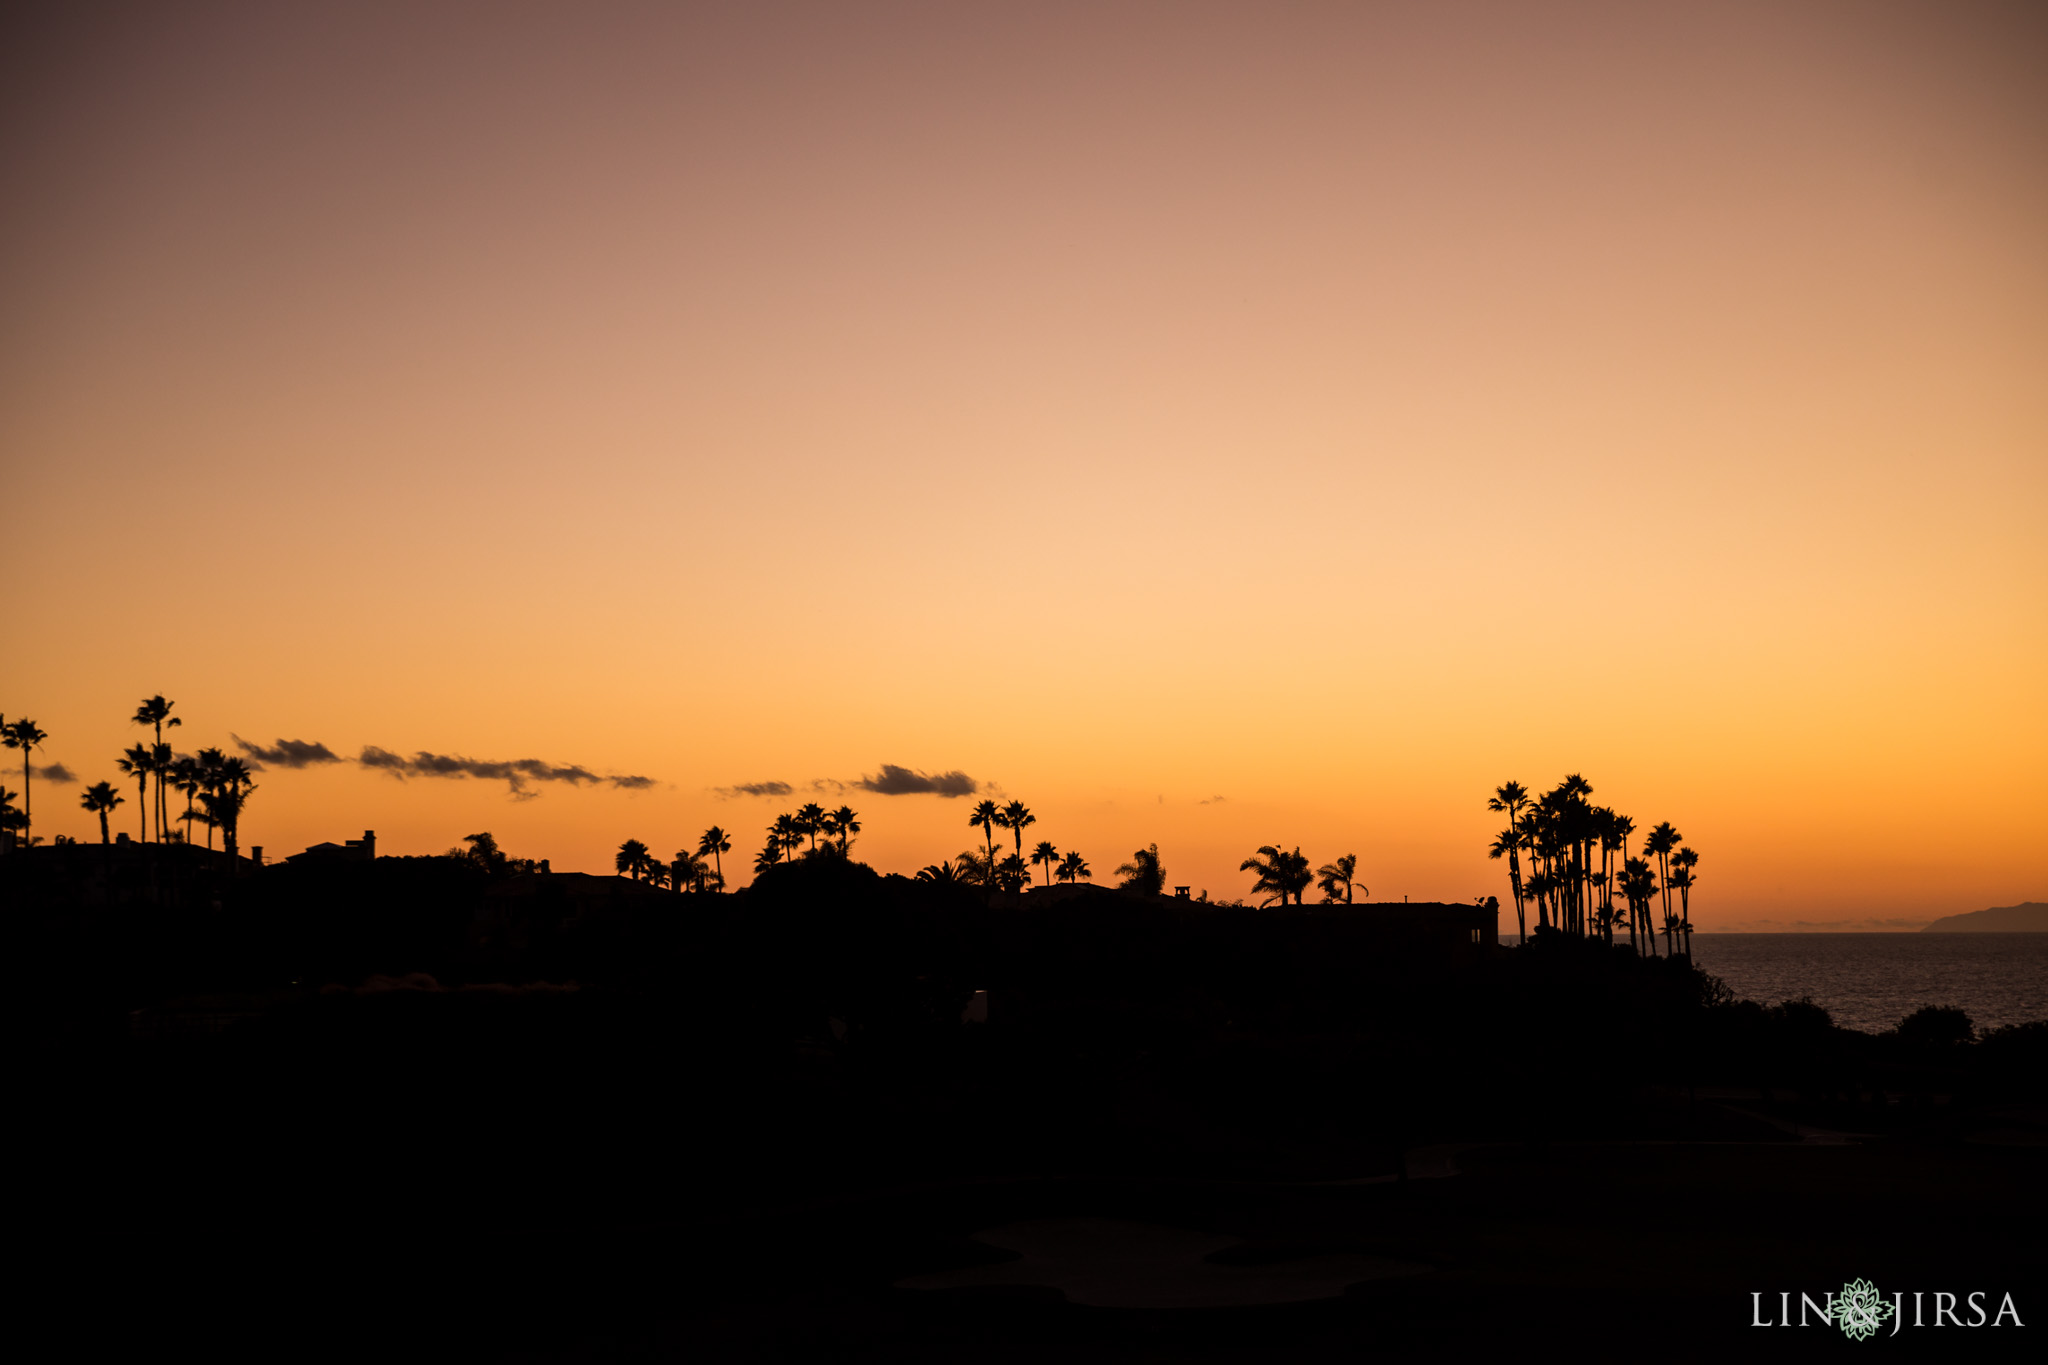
<point>1860,1310</point>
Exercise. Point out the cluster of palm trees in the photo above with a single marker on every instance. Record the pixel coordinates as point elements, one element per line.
<point>1580,876</point>
<point>215,786</point>
<point>24,735</point>
<point>787,837</point>
<point>1284,873</point>
<point>1011,871</point>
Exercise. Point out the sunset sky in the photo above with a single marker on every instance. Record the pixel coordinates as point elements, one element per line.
<point>1211,424</point>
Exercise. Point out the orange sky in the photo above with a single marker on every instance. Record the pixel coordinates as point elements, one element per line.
<point>1332,409</point>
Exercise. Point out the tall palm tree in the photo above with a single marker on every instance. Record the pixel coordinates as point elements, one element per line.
<point>789,832</point>
<point>1016,817</point>
<point>1341,874</point>
<point>224,805</point>
<point>24,735</point>
<point>1074,868</point>
<point>155,711</point>
<point>1143,873</point>
<point>1511,797</point>
<point>186,780</point>
<point>717,843</point>
<point>212,764</point>
<point>135,762</point>
<point>1639,886</point>
<point>1503,846</point>
<point>845,823</point>
<point>1685,860</point>
<point>1659,843</point>
<point>631,859</point>
<point>101,798</point>
<point>987,819</point>
<point>161,761</point>
<point>810,819</point>
<point>1047,857</point>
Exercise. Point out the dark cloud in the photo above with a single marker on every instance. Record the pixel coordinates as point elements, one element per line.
<point>896,781</point>
<point>55,772</point>
<point>755,789</point>
<point>516,773</point>
<point>287,753</point>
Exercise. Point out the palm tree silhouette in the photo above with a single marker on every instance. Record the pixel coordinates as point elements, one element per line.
<point>101,798</point>
<point>1685,879</point>
<point>1016,817</point>
<point>1143,873</point>
<point>716,842</point>
<point>1283,874</point>
<point>810,819</point>
<point>134,762</point>
<point>10,819</point>
<point>772,854</point>
<point>987,819</point>
<point>976,868</point>
<point>631,859</point>
<point>1341,874</point>
<point>1511,797</point>
<point>24,735</point>
<point>224,804</point>
<point>156,711</point>
<point>1659,843</point>
<point>186,779</point>
<point>1047,857</point>
<point>1074,868</point>
<point>938,872</point>
<point>1639,886</point>
<point>161,761</point>
<point>1269,864</point>
<point>689,870</point>
<point>1011,874</point>
<point>788,832</point>
<point>845,824</point>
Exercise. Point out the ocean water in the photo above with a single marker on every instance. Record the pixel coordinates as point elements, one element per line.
<point>1871,981</point>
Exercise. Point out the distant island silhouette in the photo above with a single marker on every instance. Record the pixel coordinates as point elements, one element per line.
<point>2028,917</point>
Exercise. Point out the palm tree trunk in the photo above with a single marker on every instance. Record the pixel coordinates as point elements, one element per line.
<point>105,837</point>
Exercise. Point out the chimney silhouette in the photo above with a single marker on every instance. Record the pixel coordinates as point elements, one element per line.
<point>369,844</point>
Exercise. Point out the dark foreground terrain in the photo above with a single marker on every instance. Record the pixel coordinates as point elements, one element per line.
<point>309,1118</point>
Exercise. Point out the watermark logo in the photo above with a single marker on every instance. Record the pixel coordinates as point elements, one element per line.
<point>1862,1311</point>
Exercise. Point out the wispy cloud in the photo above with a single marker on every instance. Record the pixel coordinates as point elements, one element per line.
<point>516,773</point>
<point>754,789</point>
<point>54,772</point>
<point>287,753</point>
<point>899,781</point>
<point>1212,801</point>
